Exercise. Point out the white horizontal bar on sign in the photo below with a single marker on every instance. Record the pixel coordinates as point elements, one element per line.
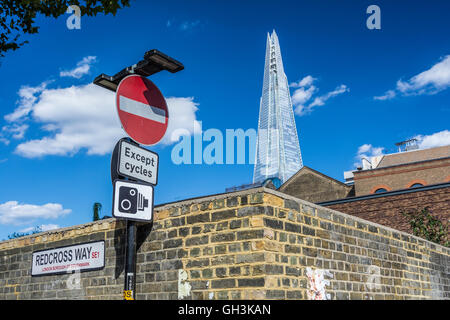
<point>141,109</point>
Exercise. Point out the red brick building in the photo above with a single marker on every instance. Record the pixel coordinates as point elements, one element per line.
<point>379,192</point>
<point>385,208</point>
<point>404,170</point>
<point>400,182</point>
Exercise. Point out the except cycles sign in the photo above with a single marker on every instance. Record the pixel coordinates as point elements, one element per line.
<point>82,257</point>
<point>137,163</point>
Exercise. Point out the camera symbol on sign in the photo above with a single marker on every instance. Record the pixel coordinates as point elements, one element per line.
<point>130,200</point>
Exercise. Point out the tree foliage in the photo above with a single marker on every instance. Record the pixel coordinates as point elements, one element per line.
<point>17,17</point>
<point>426,226</point>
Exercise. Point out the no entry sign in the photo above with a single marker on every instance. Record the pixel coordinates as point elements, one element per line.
<point>142,110</point>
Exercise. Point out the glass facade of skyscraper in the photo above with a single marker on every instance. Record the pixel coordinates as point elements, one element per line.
<point>278,150</point>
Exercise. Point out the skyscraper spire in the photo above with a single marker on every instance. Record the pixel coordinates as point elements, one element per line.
<point>278,150</point>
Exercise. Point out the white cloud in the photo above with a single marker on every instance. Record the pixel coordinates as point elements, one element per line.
<point>431,81</point>
<point>339,90</point>
<point>78,117</point>
<point>48,227</point>
<point>183,26</point>
<point>437,139</point>
<point>300,110</point>
<point>26,230</point>
<point>302,95</point>
<point>320,101</point>
<point>27,99</point>
<point>187,25</point>
<point>4,141</point>
<point>367,151</point>
<point>41,228</point>
<point>81,69</point>
<point>12,212</point>
<point>182,119</point>
<point>305,82</point>
<point>85,117</point>
<point>17,131</point>
<point>305,92</point>
<point>390,94</point>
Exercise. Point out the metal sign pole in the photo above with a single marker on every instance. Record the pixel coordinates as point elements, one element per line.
<point>130,262</point>
<point>129,290</point>
<point>133,201</point>
<point>147,127</point>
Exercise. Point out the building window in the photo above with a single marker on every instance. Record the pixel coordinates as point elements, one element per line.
<point>380,189</point>
<point>416,185</point>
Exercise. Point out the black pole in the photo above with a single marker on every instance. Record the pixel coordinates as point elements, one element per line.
<point>130,256</point>
<point>130,262</point>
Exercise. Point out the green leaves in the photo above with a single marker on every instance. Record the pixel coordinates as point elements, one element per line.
<point>426,226</point>
<point>17,17</point>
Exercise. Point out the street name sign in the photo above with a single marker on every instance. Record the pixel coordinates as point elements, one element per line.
<point>142,110</point>
<point>133,201</point>
<point>81,257</point>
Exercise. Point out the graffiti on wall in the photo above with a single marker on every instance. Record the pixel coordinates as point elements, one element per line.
<point>184,287</point>
<point>317,283</point>
<point>373,282</point>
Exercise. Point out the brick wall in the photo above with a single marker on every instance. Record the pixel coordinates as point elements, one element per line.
<point>16,281</point>
<point>386,209</point>
<point>253,244</point>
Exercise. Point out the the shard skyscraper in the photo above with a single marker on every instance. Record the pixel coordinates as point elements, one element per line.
<point>278,150</point>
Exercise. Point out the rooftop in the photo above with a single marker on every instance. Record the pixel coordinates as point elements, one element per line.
<point>412,156</point>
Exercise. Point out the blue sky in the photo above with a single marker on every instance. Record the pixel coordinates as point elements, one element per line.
<point>362,91</point>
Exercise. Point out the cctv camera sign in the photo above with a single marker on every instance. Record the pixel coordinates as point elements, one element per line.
<point>133,201</point>
<point>137,163</point>
<point>82,257</point>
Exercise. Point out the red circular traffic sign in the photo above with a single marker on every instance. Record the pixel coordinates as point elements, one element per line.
<point>142,110</point>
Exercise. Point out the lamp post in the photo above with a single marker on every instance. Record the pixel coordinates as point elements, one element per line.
<point>154,61</point>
